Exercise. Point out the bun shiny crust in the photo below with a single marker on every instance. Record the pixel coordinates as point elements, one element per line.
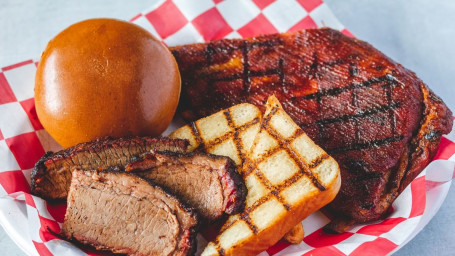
<point>105,77</point>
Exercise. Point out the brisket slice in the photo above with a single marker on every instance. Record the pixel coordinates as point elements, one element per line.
<point>51,176</point>
<point>124,213</point>
<point>209,183</point>
<point>376,118</point>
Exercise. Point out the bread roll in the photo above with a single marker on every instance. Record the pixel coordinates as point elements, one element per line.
<point>105,77</point>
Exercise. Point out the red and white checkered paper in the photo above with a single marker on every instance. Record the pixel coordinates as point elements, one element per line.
<point>27,219</point>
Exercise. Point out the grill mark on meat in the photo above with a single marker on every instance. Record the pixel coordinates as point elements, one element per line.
<point>246,71</point>
<point>337,90</point>
<point>281,75</point>
<point>320,125</point>
<point>209,52</point>
<point>318,95</point>
<point>365,176</point>
<point>356,121</point>
<point>359,114</point>
<point>267,43</point>
<point>314,66</point>
<point>392,117</point>
<point>227,78</point>
<point>263,73</point>
<point>250,74</point>
<point>369,144</point>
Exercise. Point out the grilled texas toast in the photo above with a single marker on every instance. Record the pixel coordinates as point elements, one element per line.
<point>229,132</point>
<point>288,177</point>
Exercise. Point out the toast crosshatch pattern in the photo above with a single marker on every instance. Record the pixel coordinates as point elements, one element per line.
<point>233,131</point>
<point>280,171</point>
<point>23,140</point>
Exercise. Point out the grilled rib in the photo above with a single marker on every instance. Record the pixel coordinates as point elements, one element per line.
<point>376,118</point>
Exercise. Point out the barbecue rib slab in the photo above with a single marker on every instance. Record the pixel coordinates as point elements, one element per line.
<point>376,118</point>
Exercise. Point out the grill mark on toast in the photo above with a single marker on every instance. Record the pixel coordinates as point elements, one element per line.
<point>229,134</point>
<point>237,140</point>
<point>246,217</point>
<point>316,162</point>
<point>254,164</point>
<point>250,167</point>
<point>274,190</point>
<point>284,143</point>
<point>197,135</point>
<point>296,134</point>
<point>218,247</point>
<point>369,144</point>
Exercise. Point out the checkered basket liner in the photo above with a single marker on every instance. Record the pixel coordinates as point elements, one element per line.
<point>29,219</point>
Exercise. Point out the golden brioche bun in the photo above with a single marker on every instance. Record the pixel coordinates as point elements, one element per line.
<point>105,77</point>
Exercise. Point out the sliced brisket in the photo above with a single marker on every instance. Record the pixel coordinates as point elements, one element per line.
<point>207,182</point>
<point>52,174</point>
<point>126,214</point>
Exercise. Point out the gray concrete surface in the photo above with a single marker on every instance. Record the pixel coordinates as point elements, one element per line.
<point>419,34</point>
